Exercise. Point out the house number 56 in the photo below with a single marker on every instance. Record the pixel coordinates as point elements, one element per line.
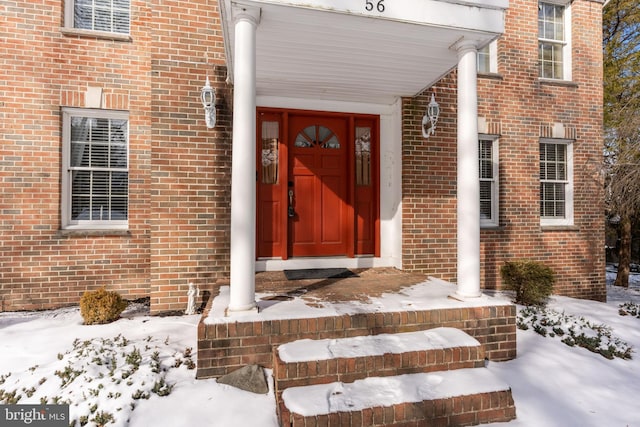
<point>369,5</point>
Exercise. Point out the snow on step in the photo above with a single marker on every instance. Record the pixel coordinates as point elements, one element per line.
<point>373,345</point>
<point>386,391</point>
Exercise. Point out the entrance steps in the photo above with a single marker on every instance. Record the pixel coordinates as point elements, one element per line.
<point>433,377</point>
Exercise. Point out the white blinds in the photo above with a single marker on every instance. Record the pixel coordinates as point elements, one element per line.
<point>102,15</point>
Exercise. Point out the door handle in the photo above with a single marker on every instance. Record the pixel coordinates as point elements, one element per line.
<point>290,211</point>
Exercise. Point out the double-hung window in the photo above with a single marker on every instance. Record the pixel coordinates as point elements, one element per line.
<point>554,47</point>
<point>488,59</point>
<point>488,158</point>
<point>95,169</point>
<point>556,182</point>
<point>109,16</point>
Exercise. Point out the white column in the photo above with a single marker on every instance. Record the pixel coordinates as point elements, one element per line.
<point>468,181</point>
<point>243,164</point>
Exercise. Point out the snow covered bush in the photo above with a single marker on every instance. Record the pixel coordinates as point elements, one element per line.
<point>532,281</point>
<point>101,306</point>
<point>574,331</point>
<point>102,379</point>
<point>630,309</point>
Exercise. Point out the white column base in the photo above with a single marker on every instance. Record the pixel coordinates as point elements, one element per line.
<point>241,311</point>
<point>464,297</point>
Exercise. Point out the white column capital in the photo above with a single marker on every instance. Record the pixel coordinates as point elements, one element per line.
<point>465,45</point>
<point>241,12</point>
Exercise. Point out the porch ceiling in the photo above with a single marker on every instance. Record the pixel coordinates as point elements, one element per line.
<point>323,52</point>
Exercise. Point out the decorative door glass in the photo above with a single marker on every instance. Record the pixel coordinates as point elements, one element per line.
<point>270,134</point>
<point>363,155</point>
<point>317,136</point>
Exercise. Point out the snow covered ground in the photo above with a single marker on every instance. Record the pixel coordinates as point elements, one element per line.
<point>139,372</point>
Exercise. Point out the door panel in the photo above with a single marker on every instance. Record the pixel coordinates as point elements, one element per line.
<point>303,225</point>
<point>332,209</point>
<point>366,179</point>
<point>318,172</point>
<point>270,204</point>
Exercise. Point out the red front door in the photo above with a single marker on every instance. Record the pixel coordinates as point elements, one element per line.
<point>317,186</point>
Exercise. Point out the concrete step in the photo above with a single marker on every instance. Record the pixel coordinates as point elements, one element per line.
<point>308,362</point>
<point>445,398</point>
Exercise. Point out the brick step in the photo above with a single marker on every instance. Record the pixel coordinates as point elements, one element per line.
<point>308,362</point>
<point>445,398</point>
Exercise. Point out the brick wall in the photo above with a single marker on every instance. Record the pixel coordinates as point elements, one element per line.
<point>42,71</point>
<point>190,164</point>
<point>521,107</point>
<point>178,170</point>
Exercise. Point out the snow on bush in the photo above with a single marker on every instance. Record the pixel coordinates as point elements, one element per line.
<point>629,309</point>
<point>574,331</point>
<point>101,379</point>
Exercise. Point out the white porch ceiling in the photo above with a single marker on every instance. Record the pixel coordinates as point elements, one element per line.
<point>338,55</point>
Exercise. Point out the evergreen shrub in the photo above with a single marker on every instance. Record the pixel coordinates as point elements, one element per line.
<point>531,280</point>
<point>101,306</point>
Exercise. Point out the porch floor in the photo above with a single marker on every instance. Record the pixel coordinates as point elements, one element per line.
<point>377,301</point>
<point>366,284</point>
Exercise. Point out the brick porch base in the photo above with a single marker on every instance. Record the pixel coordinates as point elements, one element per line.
<point>225,347</point>
<point>229,343</point>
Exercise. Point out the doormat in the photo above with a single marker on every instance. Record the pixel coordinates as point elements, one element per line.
<point>319,273</point>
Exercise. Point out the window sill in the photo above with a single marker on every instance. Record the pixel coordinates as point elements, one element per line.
<point>555,82</point>
<point>559,228</point>
<point>491,227</point>
<point>85,232</point>
<point>95,34</point>
<point>491,76</point>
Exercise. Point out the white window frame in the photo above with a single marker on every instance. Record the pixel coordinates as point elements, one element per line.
<point>494,221</point>
<point>67,223</point>
<point>566,43</point>
<point>69,23</point>
<point>493,59</point>
<point>567,220</point>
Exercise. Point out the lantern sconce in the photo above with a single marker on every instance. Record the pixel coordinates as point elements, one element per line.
<point>208,98</point>
<point>431,117</point>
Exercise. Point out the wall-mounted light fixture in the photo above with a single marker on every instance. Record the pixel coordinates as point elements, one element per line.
<point>431,117</point>
<point>208,98</point>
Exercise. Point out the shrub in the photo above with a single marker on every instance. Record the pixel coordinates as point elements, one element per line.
<point>532,281</point>
<point>101,306</point>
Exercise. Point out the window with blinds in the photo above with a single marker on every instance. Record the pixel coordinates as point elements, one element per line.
<point>555,183</point>
<point>96,169</point>
<point>488,171</point>
<point>553,178</point>
<point>112,16</point>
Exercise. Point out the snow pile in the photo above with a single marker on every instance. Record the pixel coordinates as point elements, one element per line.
<point>372,345</point>
<point>387,391</point>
